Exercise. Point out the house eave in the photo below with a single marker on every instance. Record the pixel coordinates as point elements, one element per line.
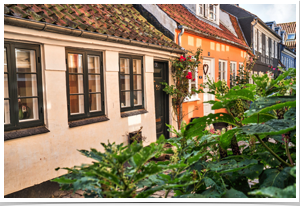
<point>43,26</point>
<point>214,37</point>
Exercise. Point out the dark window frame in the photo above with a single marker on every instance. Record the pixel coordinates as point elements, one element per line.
<point>87,113</point>
<point>13,86</point>
<point>132,107</point>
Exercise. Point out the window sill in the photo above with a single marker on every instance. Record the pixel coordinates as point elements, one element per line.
<point>132,113</point>
<point>192,100</point>
<point>91,120</point>
<point>24,132</point>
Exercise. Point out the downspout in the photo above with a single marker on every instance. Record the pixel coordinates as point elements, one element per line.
<point>253,33</point>
<point>180,34</point>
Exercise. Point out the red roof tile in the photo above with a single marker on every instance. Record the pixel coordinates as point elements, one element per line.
<point>182,16</point>
<point>289,28</point>
<point>113,19</point>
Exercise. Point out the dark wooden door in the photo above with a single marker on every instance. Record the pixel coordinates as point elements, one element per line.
<point>161,98</point>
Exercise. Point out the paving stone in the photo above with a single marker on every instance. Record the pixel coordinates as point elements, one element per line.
<point>80,192</point>
<point>76,196</point>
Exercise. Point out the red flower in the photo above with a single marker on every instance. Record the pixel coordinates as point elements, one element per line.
<point>194,79</point>
<point>189,76</point>
<point>182,59</point>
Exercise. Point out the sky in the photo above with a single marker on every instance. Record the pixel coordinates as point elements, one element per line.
<point>281,13</point>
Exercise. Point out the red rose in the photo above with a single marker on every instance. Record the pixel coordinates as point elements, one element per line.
<point>194,79</point>
<point>182,59</point>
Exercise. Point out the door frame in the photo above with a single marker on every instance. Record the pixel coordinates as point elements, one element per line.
<point>212,63</point>
<point>167,97</point>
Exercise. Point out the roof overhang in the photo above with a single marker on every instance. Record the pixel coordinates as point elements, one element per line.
<point>43,26</point>
<point>199,33</point>
<point>289,52</point>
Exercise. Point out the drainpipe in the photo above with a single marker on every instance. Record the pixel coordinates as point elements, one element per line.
<point>180,34</point>
<point>256,20</point>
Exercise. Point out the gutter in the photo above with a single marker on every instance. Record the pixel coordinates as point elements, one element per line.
<point>256,21</point>
<point>43,26</point>
<point>215,37</point>
<point>180,34</point>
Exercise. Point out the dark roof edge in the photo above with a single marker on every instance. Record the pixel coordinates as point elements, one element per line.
<point>263,23</point>
<point>43,26</point>
<point>215,37</point>
<point>268,28</point>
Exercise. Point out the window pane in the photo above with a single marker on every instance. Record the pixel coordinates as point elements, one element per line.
<point>25,60</point>
<point>220,70</point>
<point>95,102</point>
<point>224,71</point>
<point>94,83</point>
<point>125,82</point>
<point>137,82</point>
<point>28,109</point>
<point>193,86</point>
<point>124,66</point>
<point>5,61</point>
<point>125,99</point>
<point>76,104</point>
<point>137,99</point>
<point>6,112</point>
<point>75,63</point>
<point>291,36</point>
<point>6,94</point>
<point>76,84</point>
<point>27,85</point>
<point>137,66</point>
<point>94,64</point>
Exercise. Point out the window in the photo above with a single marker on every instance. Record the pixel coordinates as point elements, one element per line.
<point>255,39</point>
<point>84,84</point>
<point>275,49</point>
<point>131,83</point>
<point>193,84</point>
<point>222,70</point>
<point>291,37</point>
<point>267,47</point>
<point>212,12</point>
<point>23,98</point>
<point>201,9</point>
<point>233,73</point>
<point>272,48</point>
<point>260,42</point>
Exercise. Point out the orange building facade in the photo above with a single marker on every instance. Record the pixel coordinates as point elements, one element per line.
<point>213,52</point>
<point>223,44</point>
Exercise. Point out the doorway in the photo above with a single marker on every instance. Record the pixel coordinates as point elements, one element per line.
<point>208,66</point>
<point>161,98</point>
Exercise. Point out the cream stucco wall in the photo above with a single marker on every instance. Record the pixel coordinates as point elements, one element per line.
<point>32,160</point>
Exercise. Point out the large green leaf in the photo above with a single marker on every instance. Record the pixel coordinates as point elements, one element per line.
<point>276,178</point>
<point>275,192</point>
<point>263,117</point>
<point>245,94</point>
<point>196,127</point>
<point>253,171</point>
<point>271,127</point>
<point>225,139</point>
<point>290,114</point>
<point>63,180</point>
<point>268,158</point>
<point>232,193</point>
<point>265,104</point>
